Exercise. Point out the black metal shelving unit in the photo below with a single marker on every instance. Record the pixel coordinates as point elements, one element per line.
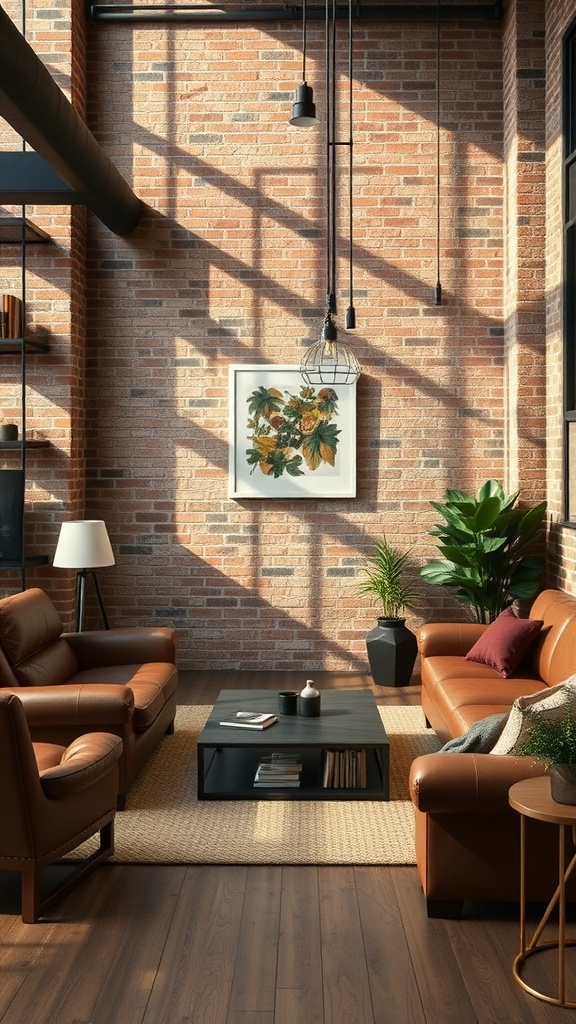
<point>18,231</point>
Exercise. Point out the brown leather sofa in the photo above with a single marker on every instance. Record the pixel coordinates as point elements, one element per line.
<point>467,836</point>
<point>54,798</point>
<point>120,681</point>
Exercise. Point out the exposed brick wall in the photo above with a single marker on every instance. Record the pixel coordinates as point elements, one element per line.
<point>228,266</point>
<point>524,298</point>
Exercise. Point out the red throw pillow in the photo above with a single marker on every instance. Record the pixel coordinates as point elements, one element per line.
<point>505,642</point>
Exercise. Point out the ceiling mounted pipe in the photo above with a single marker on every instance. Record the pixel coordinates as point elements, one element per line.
<point>191,13</point>
<point>32,102</point>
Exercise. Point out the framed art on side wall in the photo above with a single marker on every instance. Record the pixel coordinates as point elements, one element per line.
<point>290,439</point>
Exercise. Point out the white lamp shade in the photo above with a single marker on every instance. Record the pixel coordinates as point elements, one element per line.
<point>84,544</point>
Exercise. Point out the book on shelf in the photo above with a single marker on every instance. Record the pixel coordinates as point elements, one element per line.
<point>249,720</point>
<point>278,770</point>
<point>344,769</point>
<point>264,776</point>
<point>278,762</point>
<point>277,783</point>
<point>12,322</point>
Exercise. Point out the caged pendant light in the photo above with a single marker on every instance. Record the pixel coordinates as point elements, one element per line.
<point>330,361</point>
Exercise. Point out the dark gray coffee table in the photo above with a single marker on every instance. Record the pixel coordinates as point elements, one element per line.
<point>350,721</point>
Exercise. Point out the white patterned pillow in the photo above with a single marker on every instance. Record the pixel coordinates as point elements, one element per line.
<point>550,702</point>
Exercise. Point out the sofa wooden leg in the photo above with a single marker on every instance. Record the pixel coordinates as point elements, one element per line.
<point>170,729</point>
<point>450,909</point>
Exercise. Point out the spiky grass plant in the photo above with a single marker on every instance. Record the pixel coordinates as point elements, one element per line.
<point>388,580</point>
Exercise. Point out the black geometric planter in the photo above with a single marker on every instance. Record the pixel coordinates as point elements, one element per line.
<point>392,650</point>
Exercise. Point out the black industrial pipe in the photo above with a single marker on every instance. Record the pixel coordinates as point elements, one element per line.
<point>32,102</point>
<point>290,12</point>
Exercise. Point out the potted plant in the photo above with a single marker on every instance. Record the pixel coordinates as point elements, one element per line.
<point>391,646</point>
<point>552,740</point>
<point>488,545</point>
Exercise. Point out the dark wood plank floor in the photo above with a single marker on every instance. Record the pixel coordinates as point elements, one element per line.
<point>262,945</point>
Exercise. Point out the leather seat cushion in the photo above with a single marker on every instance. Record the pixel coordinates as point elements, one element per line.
<point>48,755</point>
<point>152,685</point>
<point>463,701</point>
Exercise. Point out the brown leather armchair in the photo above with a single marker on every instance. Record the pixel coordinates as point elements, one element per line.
<point>54,798</point>
<point>121,681</point>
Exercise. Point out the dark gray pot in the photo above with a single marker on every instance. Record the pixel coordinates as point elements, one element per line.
<point>563,783</point>
<point>392,650</point>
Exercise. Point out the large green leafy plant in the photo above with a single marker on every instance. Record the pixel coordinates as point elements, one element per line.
<point>388,580</point>
<point>488,546</point>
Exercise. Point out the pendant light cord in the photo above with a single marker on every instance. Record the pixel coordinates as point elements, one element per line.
<point>438,290</point>
<point>350,312</point>
<point>303,40</point>
<point>334,130</point>
<point>328,163</point>
<point>331,154</point>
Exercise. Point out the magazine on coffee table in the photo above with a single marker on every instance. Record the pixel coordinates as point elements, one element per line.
<point>249,720</point>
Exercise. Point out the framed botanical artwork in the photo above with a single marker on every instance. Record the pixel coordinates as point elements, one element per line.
<point>290,439</point>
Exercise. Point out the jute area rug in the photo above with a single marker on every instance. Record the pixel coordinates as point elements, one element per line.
<point>165,824</point>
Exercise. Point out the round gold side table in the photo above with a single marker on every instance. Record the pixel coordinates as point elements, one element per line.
<point>532,799</point>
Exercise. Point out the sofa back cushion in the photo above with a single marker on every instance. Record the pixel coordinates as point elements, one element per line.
<point>31,640</point>
<point>554,655</point>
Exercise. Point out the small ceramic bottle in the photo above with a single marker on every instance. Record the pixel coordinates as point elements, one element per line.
<point>309,701</point>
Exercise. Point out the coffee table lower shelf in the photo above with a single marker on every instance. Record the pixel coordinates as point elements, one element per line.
<point>227,773</point>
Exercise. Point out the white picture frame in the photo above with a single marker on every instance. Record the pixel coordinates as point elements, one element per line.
<point>316,428</point>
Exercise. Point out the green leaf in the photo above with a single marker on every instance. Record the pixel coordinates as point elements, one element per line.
<point>486,514</point>
<point>265,401</point>
<point>293,466</point>
<point>490,489</point>
<point>252,457</point>
<point>320,446</point>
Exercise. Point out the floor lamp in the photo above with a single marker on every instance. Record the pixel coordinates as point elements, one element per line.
<point>85,546</point>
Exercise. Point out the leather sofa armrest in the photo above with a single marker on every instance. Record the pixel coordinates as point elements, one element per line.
<point>467,783</point>
<point>83,763</point>
<point>447,638</point>
<point>86,704</point>
<point>97,648</point>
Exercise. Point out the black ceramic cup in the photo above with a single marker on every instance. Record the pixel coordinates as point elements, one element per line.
<point>288,702</point>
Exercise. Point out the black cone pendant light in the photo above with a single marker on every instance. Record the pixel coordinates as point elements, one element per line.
<point>304,108</point>
<point>330,361</point>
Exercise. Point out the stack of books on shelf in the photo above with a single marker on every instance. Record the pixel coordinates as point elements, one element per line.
<point>278,770</point>
<point>344,769</point>
<point>11,324</point>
